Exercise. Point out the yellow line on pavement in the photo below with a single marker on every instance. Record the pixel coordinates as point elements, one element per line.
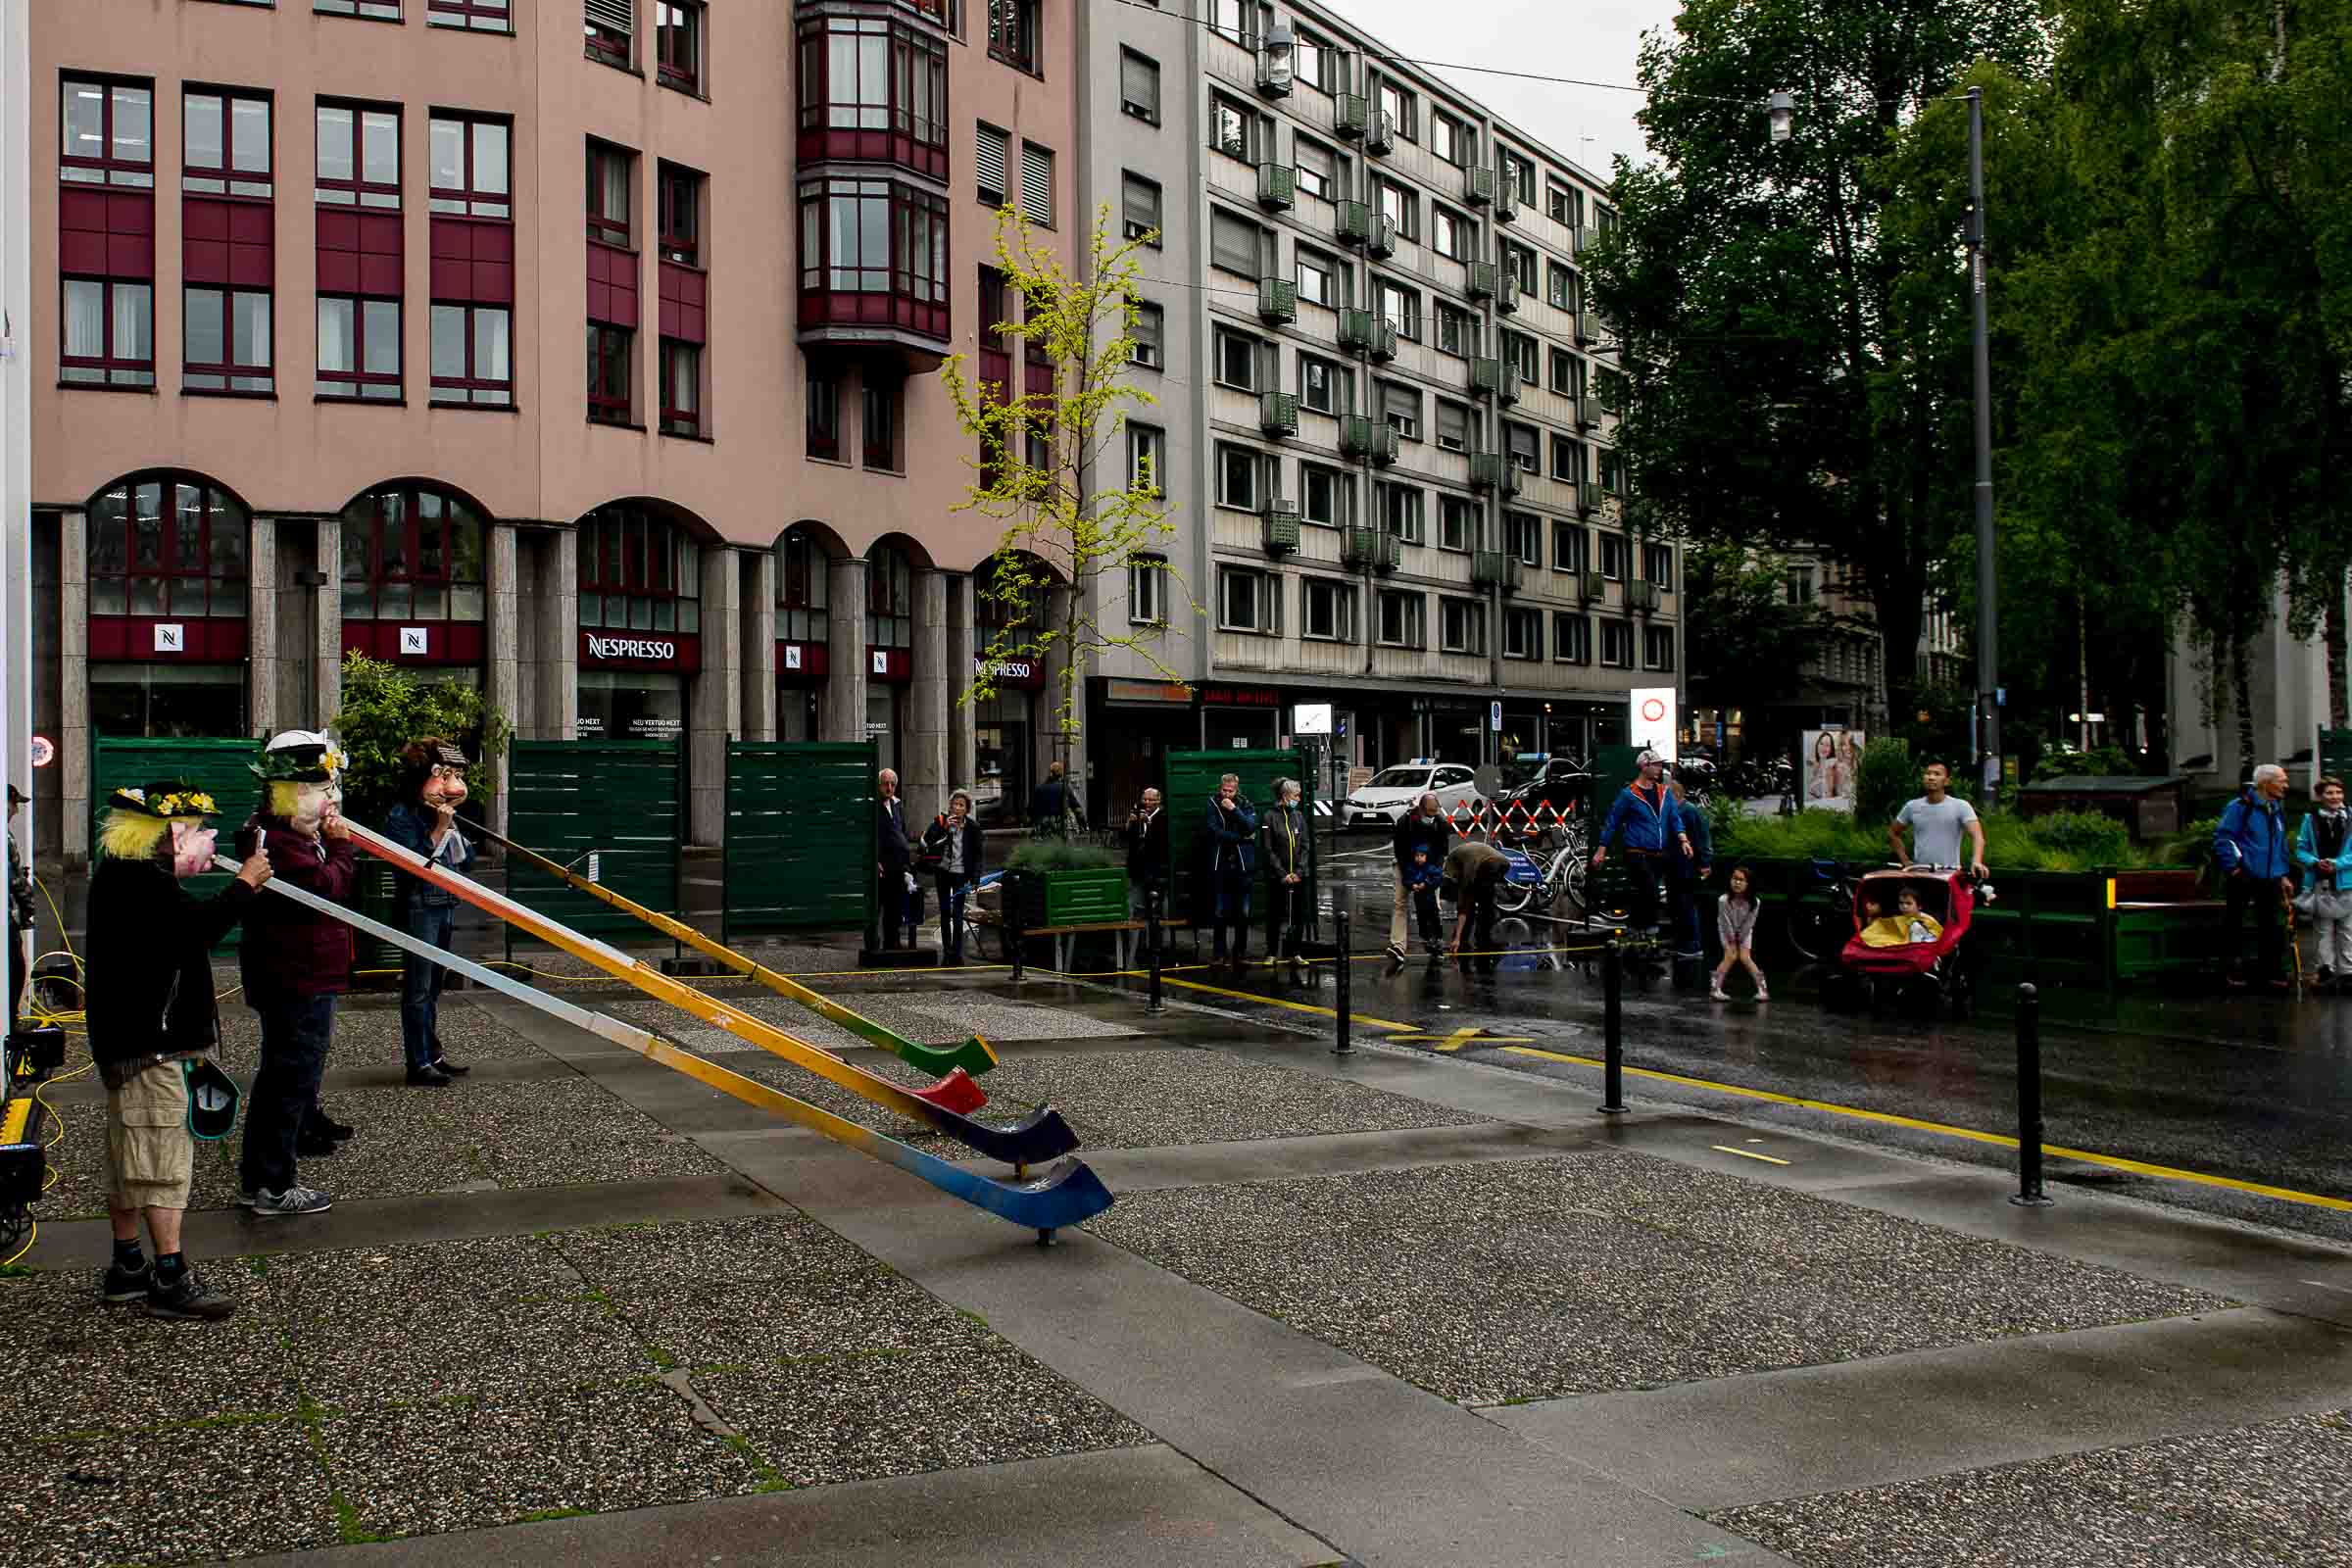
<point>1746,1153</point>
<point>1295,1007</point>
<point>1948,1130</point>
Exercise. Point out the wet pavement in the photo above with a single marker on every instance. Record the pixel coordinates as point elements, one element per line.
<point>2249,1089</point>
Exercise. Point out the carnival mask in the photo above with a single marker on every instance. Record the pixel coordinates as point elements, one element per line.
<point>192,847</point>
<point>445,786</point>
<point>311,803</point>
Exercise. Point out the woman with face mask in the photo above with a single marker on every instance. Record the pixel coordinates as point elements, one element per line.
<point>150,1008</point>
<point>1285,852</point>
<point>432,786</point>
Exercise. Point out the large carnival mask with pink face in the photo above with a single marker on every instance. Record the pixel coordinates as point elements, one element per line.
<point>311,805</point>
<point>445,785</point>
<point>192,848</point>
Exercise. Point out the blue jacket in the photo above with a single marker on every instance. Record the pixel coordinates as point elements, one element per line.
<point>2252,838</point>
<point>1232,837</point>
<point>2308,855</point>
<point>1644,826</point>
<point>1685,867</point>
<point>412,828</point>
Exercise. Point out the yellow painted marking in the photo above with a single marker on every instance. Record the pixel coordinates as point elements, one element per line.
<point>1748,1154</point>
<point>1946,1130</point>
<point>1295,1007</point>
<point>1462,1037</point>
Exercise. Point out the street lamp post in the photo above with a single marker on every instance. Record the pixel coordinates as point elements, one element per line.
<point>1988,621</point>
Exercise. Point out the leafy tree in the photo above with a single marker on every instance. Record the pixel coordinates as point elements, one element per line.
<point>386,707</point>
<point>1749,643</point>
<point>1043,457</point>
<point>1784,389</point>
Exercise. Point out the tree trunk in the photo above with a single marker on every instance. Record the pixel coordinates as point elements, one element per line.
<point>2340,636</point>
<point>2241,697</point>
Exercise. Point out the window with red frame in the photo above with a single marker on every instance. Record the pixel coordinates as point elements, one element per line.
<point>359,271</point>
<point>475,15</point>
<point>681,194</point>
<point>226,314</point>
<point>473,355</point>
<point>412,553</point>
<point>610,353</point>
<point>472,173</point>
<point>167,545</point>
<point>225,142</point>
<point>638,572</point>
<point>889,597</point>
<point>373,10</point>
<point>610,28</point>
<point>679,43</point>
<point>106,238</point>
<point>681,387</point>
<point>611,173</point>
<point>1013,32</point>
<point>881,423</point>
<point>824,417</point>
<point>868,74</point>
<point>358,156</point>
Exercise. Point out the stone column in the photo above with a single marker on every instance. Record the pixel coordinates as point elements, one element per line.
<point>923,776</point>
<point>559,652</point>
<point>758,645</point>
<point>845,651</point>
<point>327,625</point>
<point>262,590</point>
<point>717,707</point>
<point>73,687</point>
<point>502,676</point>
<point>963,718</point>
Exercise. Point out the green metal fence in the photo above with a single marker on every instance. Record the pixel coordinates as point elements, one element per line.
<point>620,802</point>
<point>218,768</point>
<point>1192,778</point>
<point>799,837</point>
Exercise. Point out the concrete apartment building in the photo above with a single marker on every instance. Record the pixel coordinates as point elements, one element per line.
<point>1379,402</point>
<point>585,350</point>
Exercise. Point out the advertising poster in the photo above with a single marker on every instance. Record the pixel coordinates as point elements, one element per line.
<point>1826,776</point>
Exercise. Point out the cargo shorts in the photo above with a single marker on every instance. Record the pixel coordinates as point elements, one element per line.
<point>150,1153</point>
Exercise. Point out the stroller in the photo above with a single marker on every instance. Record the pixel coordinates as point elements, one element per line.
<point>1919,978</point>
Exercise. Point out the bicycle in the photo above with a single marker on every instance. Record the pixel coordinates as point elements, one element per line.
<point>1820,919</point>
<point>1562,874</point>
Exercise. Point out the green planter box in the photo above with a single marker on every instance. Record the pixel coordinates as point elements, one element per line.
<point>1088,897</point>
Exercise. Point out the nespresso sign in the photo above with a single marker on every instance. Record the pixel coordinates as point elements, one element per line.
<point>1024,673</point>
<point>678,651</point>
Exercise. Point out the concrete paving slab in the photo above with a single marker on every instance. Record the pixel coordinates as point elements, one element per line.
<point>462,1464</point>
<point>1145,1505</point>
<point>2271,1495</point>
<point>183,1494</point>
<point>1604,1270</point>
<point>780,1248</point>
<point>1774,1435</point>
<point>1144,1171</point>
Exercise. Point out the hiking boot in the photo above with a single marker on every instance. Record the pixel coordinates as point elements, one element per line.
<point>188,1296</point>
<point>128,1284</point>
<point>296,1199</point>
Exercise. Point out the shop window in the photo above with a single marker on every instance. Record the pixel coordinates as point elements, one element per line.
<point>889,597</point>
<point>412,554</point>
<point>803,588</point>
<point>163,701</point>
<point>168,547</point>
<point>639,571</point>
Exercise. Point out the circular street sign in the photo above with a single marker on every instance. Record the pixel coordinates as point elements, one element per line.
<point>1653,711</point>
<point>43,752</point>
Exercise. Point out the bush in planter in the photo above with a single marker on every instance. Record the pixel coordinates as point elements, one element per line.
<point>1066,884</point>
<point>1883,781</point>
<point>1054,854</point>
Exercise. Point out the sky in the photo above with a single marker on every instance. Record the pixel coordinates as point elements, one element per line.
<point>1593,39</point>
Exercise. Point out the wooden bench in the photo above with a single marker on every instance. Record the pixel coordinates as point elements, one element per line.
<point>1126,936</point>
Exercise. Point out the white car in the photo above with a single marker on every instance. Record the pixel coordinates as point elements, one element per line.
<point>1393,792</point>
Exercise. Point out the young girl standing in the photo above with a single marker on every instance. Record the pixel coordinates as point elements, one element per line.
<point>1736,924</point>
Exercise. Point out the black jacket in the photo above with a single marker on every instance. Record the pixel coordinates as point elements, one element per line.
<point>147,961</point>
<point>1413,833</point>
<point>1148,848</point>
<point>1284,843</point>
<point>890,834</point>
<point>935,843</point>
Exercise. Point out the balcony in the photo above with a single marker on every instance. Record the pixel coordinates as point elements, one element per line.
<point>1478,186</point>
<point>1274,77</point>
<point>1367,332</point>
<point>1277,188</point>
<point>1591,588</point>
<point>1582,241</point>
<point>1641,596</point>
<point>1282,523</point>
<point>1483,278</point>
<point>1363,436</point>
<point>1355,222</point>
<point>1360,548</point>
<point>1380,133</point>
<point>1496,379</point>
<point>1584,330</point>
<point>1588,500</point>
<point>852,296</point>
<point>1493,470</point>
<point>1354,114</point>
<point>901,122</point>
<point>1507,295</point>
<point>1392,554</point>
<point>1506,202</point>
<point>1588,413</point>
<point>1382,242</point>
<point>1277,300</point>
<point>1496,568</point>
<point>1278,412</point>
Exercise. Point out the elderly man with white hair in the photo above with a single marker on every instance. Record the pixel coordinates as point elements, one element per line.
<point>894,856</point>
<point>2257,860</point>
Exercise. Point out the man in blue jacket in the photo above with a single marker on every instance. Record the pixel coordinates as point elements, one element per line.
<point>1231,829</point>
<point>1648,822</point>
<point>2257,862</point>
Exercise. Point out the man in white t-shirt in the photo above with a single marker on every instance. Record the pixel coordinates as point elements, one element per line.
<point>1936,820</point>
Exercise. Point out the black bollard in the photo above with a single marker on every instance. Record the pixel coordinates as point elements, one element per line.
<point>1612,1029</point>
<point>1012,924</point>
<point>1156,1007</point>
<point>1342,1045</point>
<point>2028,1101</point>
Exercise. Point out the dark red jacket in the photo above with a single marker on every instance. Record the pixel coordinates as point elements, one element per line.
<point>288,951</point>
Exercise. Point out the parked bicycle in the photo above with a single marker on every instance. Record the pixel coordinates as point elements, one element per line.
<point>1820,917</point>
<point>1559,861</point>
